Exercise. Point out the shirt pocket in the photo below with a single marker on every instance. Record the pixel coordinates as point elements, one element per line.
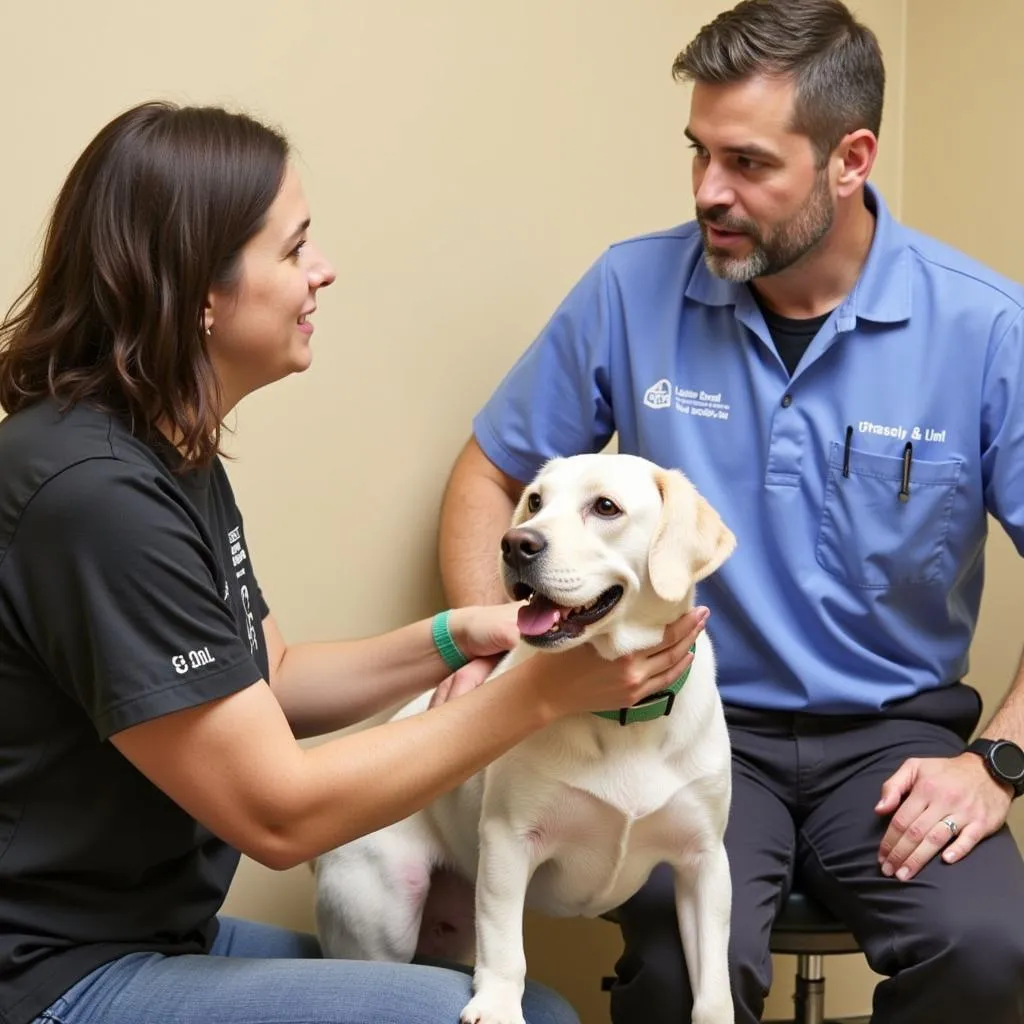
<point>868,537</point>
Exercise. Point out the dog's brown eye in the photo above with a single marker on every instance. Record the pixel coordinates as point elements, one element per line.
<point>533,502</point>
<point>607,508</point>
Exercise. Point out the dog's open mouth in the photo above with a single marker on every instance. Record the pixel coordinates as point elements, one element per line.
<point>542,622</point>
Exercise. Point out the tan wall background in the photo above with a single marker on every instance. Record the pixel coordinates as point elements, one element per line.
<point>465,162</point>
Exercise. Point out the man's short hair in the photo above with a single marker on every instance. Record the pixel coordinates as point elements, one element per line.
<point>834,61</point>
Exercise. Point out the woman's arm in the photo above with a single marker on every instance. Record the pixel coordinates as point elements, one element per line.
<point>322,687</point>
<point>235,766</point>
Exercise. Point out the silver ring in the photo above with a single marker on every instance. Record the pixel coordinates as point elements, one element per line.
<point>951,825</point>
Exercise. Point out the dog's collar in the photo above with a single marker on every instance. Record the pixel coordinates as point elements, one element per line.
<point>658,705</point>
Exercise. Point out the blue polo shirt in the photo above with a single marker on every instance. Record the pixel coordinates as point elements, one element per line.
<point>840,597</point>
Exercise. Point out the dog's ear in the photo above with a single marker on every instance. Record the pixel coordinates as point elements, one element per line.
<point>714,541</point>
<point>690,541</point>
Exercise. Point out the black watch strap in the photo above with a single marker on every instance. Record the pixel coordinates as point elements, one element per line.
<point>998,755</point>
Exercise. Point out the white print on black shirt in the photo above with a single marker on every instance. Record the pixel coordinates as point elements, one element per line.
<point>194,659</point>
<point>202,656</point>
<point>250,622</point>
<point>238,555</point>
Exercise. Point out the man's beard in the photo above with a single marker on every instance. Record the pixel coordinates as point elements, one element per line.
<point>788,242</point>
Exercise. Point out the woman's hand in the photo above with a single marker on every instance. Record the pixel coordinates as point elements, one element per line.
<point>581,680</point>
<point>484,630</point>
<point>469,677</point>
<point>484,633</point>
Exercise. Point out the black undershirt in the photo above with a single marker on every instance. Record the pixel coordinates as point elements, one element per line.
<point>790,335</point>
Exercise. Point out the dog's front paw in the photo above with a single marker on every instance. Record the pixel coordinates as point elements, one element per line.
<point>494,1005</point>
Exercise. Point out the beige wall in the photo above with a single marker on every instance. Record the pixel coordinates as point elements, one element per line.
<point>465,162</point>
<point>965,84</point>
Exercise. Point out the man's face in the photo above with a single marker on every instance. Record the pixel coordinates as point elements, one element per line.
<point>762,203</point>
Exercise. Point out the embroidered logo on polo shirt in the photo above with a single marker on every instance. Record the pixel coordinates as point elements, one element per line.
<point>659,396</point>
<point>689,401</point>
<point>900,432</point>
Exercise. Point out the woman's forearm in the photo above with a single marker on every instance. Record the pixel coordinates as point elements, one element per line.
<point>326,795</point>
<point>327,686</point>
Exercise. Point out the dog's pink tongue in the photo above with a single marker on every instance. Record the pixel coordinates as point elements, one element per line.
<point>537,617</point>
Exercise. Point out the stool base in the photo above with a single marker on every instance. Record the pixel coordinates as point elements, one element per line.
<point>809,995</point>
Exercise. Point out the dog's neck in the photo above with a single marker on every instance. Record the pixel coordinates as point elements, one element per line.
<point>658,705</point>
<point>638,633</point>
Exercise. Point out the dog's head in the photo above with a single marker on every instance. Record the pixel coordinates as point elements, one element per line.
<point>607,549</point>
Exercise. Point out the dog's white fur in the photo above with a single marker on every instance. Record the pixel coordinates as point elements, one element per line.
<point>572,820</point>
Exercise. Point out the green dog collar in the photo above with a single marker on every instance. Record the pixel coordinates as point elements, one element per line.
<point>658,705</point>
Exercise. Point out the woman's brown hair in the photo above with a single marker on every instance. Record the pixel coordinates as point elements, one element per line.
<point>152,217</point>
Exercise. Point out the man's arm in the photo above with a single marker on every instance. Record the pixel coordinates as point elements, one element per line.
<point>1008,722</point>
<point>475,512</point>
<point>925,793</point>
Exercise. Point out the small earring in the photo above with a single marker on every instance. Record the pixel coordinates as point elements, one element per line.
<point>209,331</point>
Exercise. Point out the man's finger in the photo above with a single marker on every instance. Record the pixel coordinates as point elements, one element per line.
<point>896,787</point>
<point>936,838</point>
<point>908,826</point>
<point>967,839</point>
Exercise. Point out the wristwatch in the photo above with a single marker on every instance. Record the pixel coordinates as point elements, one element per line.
<point>1004,761</point>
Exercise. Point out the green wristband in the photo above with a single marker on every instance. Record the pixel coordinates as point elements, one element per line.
<point>446,646</point>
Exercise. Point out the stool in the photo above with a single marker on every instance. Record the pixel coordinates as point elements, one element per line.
<point>806,930</point>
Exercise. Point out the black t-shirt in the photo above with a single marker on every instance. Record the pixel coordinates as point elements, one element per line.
<point>791,335</point>
<point>126,593</point>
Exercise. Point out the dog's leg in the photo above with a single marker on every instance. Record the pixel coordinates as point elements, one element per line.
<point>506,865</point>
<point>370,895</point>
<point>704,905</point>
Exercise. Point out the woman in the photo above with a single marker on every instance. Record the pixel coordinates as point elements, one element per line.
<point>149,706</point>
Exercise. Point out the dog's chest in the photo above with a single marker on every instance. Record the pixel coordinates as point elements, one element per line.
<point>632,787</point>
<point>632,771</point>
<point>603,795</point>
<point>598,833</point>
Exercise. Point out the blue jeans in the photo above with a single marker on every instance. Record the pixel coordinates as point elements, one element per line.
<point>258,974</point>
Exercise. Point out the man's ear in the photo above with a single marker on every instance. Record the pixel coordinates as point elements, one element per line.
<point>690,541</point>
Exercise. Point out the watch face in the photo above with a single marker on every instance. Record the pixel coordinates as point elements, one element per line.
<point>1008,760</point>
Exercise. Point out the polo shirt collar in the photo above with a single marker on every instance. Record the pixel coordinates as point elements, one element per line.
<point>882,293</point>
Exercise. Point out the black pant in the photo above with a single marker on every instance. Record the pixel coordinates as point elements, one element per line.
<point>950,941</point>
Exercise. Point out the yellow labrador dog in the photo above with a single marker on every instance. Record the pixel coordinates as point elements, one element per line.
<point>607,550</point>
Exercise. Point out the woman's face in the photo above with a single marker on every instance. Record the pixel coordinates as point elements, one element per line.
<point>261,330</point>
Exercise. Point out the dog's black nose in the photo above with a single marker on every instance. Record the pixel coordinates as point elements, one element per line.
<point>520,547</point>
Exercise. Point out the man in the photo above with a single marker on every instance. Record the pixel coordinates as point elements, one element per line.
<point>848,394</point>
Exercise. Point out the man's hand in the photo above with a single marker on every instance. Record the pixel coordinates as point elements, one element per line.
<point>926,793</point>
